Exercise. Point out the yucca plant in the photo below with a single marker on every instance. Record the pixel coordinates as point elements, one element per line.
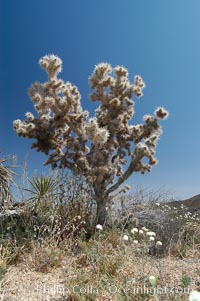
<point>43,192</point>
<point>6,178</point>
<point>43,189</point>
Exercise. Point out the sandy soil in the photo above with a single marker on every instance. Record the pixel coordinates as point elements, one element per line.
<point>21,284</point>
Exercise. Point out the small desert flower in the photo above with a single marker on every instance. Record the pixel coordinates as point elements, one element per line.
<point>99,227</point>
<point>79,217</point>
<point>125,237</point>
<point>158,243</point>
<point>135,242</point>
<point>157,204</point>
<point>134,230</point>
<point>152,280</point>
<point>141,232</point>
<point>150,233</point>
<point>145,229</point>
<point>151,238</point>
<point>194,296</point>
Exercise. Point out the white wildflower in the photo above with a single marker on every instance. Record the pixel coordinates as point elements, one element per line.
<point>150,233</point>
<point>134,230</point>
<point>194,296</point>
<point>99,227</point>
<point>125,237</point>
<point>158,243</point>
<point>152,280</point>
<point>151,238</point>
<point>145,229</point>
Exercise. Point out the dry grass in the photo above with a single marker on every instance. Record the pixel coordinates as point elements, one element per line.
<point>105,268</point>
<point>88,277</point>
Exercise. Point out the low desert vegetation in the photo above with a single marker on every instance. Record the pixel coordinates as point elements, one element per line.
<point>112,262</point>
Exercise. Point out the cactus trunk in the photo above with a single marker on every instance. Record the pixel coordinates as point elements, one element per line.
<point>101,211</point>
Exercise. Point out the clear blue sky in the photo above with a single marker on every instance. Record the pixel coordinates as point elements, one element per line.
<point>160,40</point>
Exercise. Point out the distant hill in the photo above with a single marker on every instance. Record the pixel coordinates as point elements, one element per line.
<point>192,203</point>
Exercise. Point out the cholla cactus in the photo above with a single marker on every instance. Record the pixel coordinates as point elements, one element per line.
<point>104,149</point>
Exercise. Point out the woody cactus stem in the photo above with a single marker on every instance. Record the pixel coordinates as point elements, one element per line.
<point>101,214</point>
<point>105,149</point>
